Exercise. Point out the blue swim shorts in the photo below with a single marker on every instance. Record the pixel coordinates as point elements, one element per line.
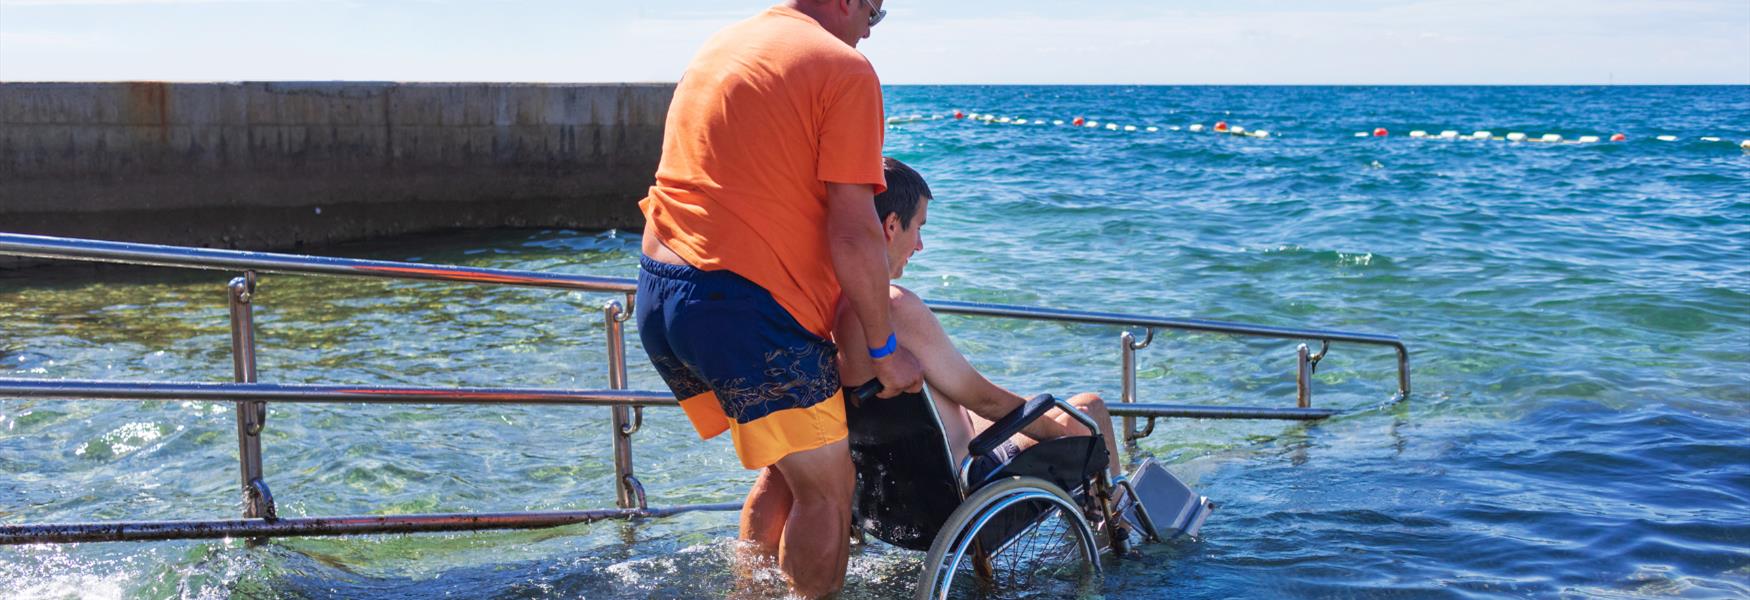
<point>738,361</point>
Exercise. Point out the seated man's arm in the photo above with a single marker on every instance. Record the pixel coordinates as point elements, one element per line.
<point>949,373</point>
<point>855,241</point>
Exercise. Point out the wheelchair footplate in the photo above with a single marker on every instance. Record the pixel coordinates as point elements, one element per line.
<point>1160,499</point>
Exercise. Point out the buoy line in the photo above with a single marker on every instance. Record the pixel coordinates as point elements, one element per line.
<point>1522,137</point>
<point>1222,127</point>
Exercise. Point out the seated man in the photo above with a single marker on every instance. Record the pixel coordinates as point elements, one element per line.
<point>966,401</point>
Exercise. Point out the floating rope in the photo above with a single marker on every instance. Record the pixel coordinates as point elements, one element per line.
<point>1224,128</point>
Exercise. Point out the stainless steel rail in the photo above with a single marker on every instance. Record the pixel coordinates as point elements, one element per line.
<point>82,389</point>
<point>136,531</point>
<point>252,397</point>
<point>36,246</point>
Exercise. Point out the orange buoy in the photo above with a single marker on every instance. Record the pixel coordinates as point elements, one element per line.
<point>1619,138</point>
<point>1078,122</point>
<point>959,115</point>
<point>1221,126</point>
<point>1380,132</point>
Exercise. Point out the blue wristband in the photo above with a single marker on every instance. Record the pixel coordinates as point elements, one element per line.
<point>886,349</point>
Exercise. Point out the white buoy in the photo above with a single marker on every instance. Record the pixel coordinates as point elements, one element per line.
<point>1112,127</point>
<point>1259,134</point>
<point>1362,134</point>
<point>1588,139</point>
<point>1550,138</point>
<point>1130,128</point>
<point>1172,128</point>
<point>1448,134</point>
<point>1710,139</point>
<point>1515,137</point>
<point>1482,135</point>
<point>1196,128</point>
<point>1020,121</point>
<point>1418,134</point>
<point>973,116</point>
<point>890,120</point>
<point>1667,138</point>
<point>1744,144</point>
<point>1237,130</point>
<point>1093,124</point>
<point>1004,120</point>
<point>1152,129</point>
<point>1057,121</point>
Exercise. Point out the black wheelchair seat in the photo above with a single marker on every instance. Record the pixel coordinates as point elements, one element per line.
<point>908,484</point>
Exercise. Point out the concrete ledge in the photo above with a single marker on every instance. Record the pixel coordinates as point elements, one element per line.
<point>266,166</point>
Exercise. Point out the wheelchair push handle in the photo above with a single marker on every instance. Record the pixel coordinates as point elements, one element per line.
<point>866,392</point>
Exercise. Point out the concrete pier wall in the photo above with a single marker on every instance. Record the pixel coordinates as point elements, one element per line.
<point>282,165</point>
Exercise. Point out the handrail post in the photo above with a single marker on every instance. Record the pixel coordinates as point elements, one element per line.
<point>628,493</point>
<point>1403,371</point>
<point>1303,377</point>
<point>1127,393</point>
<point>251,415</point>
<point>1127,389</point>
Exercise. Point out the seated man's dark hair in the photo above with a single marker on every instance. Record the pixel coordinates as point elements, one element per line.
<point>904,188</point>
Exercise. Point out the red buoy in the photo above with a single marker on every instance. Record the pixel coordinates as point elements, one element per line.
<point>959,115</point>
<point>1077,122</point>
<point>1221,126</point>
<point>1380,132</point>
<point>1619,138</point>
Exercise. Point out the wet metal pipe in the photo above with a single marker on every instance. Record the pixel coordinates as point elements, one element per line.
<point>133,531</point>
<point>36,246</point>
<point>78,389</point>
<point>628,492</point>
<point>252,415</point>
<point>1195,411</point>
<point>1200,325</point>
<point>206,258</point>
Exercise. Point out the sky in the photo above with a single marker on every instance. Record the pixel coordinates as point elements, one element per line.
<point>921,42</point>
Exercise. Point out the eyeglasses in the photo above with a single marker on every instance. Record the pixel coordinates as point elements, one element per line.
<point>875,17</point>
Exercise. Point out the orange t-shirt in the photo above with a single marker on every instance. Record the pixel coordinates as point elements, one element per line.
<point>769,111</point>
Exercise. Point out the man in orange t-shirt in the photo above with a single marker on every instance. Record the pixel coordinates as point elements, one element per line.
<point>761,216</point>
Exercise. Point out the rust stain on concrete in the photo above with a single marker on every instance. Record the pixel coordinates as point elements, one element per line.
<point>149,104</point>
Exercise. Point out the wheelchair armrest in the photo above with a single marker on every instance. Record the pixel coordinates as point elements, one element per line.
<point>1011,424</point>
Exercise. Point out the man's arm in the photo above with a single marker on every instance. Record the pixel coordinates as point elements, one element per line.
<point>951,375</point>
<point>859,259</point>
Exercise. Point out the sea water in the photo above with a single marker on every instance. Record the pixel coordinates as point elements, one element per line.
<point>1578,317</point>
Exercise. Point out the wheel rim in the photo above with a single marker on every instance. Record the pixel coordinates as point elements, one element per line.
<point>1025,547</point>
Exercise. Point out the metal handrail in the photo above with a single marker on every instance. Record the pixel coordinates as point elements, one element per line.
<point>208,258</point>
<point>84,389</point>
<point>38,246</point>
<point>140,531</point>
<point>251,396</point>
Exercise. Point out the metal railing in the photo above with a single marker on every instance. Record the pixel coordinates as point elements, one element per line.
<point>251,397</point>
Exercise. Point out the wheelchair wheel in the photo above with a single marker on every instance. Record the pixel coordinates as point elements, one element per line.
<point>1017,536</point>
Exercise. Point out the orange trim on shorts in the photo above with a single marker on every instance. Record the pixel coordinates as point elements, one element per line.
<point>706,414</point>
<point>760,443</point>
<point>763,441</point>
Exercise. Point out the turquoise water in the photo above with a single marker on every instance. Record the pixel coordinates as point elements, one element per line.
<point>1578,317</point>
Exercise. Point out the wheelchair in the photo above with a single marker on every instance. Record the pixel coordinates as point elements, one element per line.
<point>1023,526</point>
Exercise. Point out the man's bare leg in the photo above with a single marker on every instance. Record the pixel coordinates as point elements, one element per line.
<point>764,514</point>
<point>817,537</point>
<point>1091,404</point>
